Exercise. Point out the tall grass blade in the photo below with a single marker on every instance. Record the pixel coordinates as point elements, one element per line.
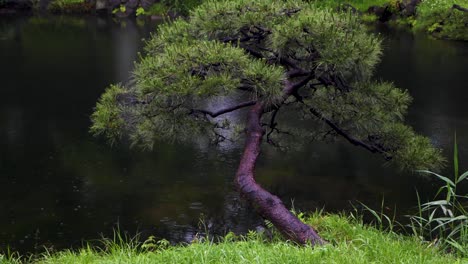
<point>462,177</point>
<point>374,213</point>
<point>444,221</point>
<point>443,178</point>
<point>430,204</point>
<point>459,247</point>
<point>455,158</point>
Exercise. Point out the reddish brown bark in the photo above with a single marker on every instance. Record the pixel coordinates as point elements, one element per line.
<point>268,205</point>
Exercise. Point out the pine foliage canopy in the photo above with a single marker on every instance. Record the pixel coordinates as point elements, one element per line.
<point>248,51</point>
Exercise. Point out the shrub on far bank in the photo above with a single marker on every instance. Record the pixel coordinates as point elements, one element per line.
<point>359,5</point>
<point>440,18</point>
<point>70,6</point>
<point>165,7</point>
<point>446,19</point>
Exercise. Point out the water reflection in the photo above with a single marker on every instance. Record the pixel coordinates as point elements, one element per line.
<point>59,186</point>
<point>435,73</point>
<point>126,47</point>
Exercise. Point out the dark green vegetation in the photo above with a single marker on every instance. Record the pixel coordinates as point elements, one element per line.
<point>159,8</point>
<point>447,19</point>
<point>172,6</point>
<point>350,242</point>
<point>443,18</point>
<point>359,5</point>
<point>70,6</point>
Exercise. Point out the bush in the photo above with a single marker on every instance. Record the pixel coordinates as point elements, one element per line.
<point>70,6</point>
<point>439,18</point>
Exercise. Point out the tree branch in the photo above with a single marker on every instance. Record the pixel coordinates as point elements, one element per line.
<point>347,136</point>
<point>295,86</point>
<point>218,136</point>
<point>236,39</point>
<point>272,125</point>
<point>460,8</point>
<point>286,61</point>
<point>297,73</point>
<point>334,80</point>
<point>224,110</point>
<point>254,53</point>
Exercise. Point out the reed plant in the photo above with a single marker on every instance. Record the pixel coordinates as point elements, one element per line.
<point>444,220</point>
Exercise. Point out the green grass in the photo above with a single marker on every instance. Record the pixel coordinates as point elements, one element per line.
<point>350,242</point>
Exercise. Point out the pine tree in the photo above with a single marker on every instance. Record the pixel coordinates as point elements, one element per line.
<point>266,57</point>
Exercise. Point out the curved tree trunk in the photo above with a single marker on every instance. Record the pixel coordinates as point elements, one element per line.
<point>268,205</point>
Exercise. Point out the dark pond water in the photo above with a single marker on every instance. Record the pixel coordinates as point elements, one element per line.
<point>59,186</point>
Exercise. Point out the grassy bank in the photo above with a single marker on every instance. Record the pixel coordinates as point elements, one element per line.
<point>349,242</point>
